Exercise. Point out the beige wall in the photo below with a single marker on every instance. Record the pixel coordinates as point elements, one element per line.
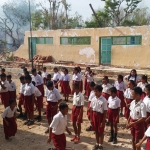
<point>121,55</point>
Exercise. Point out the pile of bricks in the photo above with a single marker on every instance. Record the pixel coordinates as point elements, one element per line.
<point>16,58</point>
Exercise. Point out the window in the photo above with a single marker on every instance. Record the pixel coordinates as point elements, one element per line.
<point>75,40</point>
<point>127,40</point>
<point>44,40</point>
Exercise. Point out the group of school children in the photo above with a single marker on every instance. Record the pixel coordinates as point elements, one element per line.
<point>106,103</point>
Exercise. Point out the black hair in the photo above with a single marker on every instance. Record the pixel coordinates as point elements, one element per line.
<point>133,70</point>
<point>76,69</point>
<point>25,69</point>
<point>9,76</point>
<point>98,87</point>
<point>22,78</point>
<point>49,84</point>
<point>92,84</point>
<point>55,69</point>
<point>76,86</point>
<point>26,73</point>
<point>79,68</point>
<point>39,72</point>
<point>66,70</point>
<point>62,106</point>
<point>44,68</point>
<point>144,77</point>
<point>88,68</point>
<point>3,75</point>
<point>106,78</point>
<point>33,83</point>
<point>133,83</point>
<point>11,101</point>
<point>113,90</point>
<point>148,87</point>
<point>120,77</point>
<point>138,90</point>
<point>3,69</point>
<point>28,77</point>
<point>49,76</point>
<point>33,70</point>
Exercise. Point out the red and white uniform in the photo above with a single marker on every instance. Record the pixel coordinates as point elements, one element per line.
<point>142,86</point>
<point>12,90</point>
<point>39,97</point>
<point>133,78</point>
<point>44,76</point>
<point>85,81</point>
<point>21,96</point>
<point>105,91</point>
<point>89,80</point>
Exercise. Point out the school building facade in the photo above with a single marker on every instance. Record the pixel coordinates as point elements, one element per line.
<point>120,46</point>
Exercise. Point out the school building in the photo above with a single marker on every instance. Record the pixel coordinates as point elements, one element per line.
<point>120,46</point>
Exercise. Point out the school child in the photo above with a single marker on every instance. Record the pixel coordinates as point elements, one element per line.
<point>38,81</point>
<point>44,75</point>
<point>106,86</point>
<point>40,73</point>
<point>98,111</point>
<point>147,103</point>
<point>142,85</point>
<point>57,128</point>
<point>26,73</point>
<point>2,70</point>
<point>4,85</point>
<point>85,80</point>
<point>53,98</point>
<point>21,96</point>
<point>121,87</point>
<point>61,80</point>
<point>80,78</point>
<point>146,136</point>
<point>24,70</point>
<point>133,76</point>
<point>92,95</point>
<point>56,77</point>
<point>137,117</point>
<point>128,97</point>
<point>49,78</point>
<point>9,120</point>
<point>38,102</point>
<point>77,112</point>
<point>12,87</point>
<point>113,114</point>
<point>29,100</point>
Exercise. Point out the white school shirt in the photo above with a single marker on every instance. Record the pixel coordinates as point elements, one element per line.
<point>8,112</point>
<point>12,86</point>
<point>78,99</point>
<point>147,133</point>
<point>53,95</point>
<point>92,95</point>
<point>142,86</point>
<point>56,76</point>
<point>147,103</point>
<point>76,77</point>
<point>37,92</point>
<point>138,110</point>
<point>44,74</point>
<point>99,104</point>
<point>6,84</point>
<point>114,103</point>
<point>38,80</point>
<point>59,123</point>
<point>66,77</point>
<point>89,78</point>
<point>120,86</point>
<point>128,93</point>
<point>106,88</point>
<point>86,73</point>
<point>22,88</point>
<point>29,89</point>
<point>132,78</point>
<point>80,76</point>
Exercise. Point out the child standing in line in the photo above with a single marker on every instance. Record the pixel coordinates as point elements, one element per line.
<point>113,114</point>
<point>85,80</point>
<point>29,100</point>
<point>53,99</point>
<point>142,85</point>
<point>128,97</point>
<point>38,102</point>
<point>56,77</point>
<point>77,112</point>
<point>44,75</point>
<point>80,78</point>
<point>12,87</point>
<point>121,87</point>
<point>9,120</point>
<point>58,127</point>
<point>2,70</point>
<point>137,117</point>
<point>92,95</point>
<point>61,81</point>
<point>4,85</point>
<point>98,111</point>
<point>106,86</point>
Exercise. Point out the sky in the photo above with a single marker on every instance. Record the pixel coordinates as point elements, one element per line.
<point>82,6</point>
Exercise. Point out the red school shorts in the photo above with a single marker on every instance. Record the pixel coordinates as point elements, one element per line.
<point>127,110</point>
<point>59,141</point>
<point>148,144</point>
<point>112,115</point>
<point>5,99</point>
<point>49,112</point>
<point>121,97</point>
<point>29,106</point>
<point>12,94</point>
<point>97,119</point>
<point>40,102</point>
<point>105,95</point>
<point>21,99</point>
<point>137,131</point>
<point>75,114</point>
<point>88,111</point>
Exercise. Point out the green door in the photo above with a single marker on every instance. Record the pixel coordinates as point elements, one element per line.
<point>106,44</point>
<point>33,46</point>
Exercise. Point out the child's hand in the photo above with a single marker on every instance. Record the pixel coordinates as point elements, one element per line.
<point>7,123</point>
<point>49,140</point>
<point>138,145</point>
<point>131,124</point>
<point>127,126</point>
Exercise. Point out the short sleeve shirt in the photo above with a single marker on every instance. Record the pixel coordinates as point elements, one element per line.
<point>8,112</point>
<point>92,95</point>
<point>44,74</point>
<point>132,78</point>
<point>38,80</point>
<point>114,103</point>
<point>147,103</point>
<point>128,93</point>
<point>78,99</point>
<point>65,77</point>
<point>12,86</point>
<point>56,76</point>
<point>29,89</point>
<point>106,88</point>
<point>142,86</point>
<point>22,88</point>
<point>6,85</point>
<point>120,86</point>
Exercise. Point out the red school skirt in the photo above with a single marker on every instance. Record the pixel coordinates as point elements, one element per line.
<point>59,141</point>
<point>75,114</point>
<point>12,94</point>
<point>5,99</point>
<point>137,131</point>
<point>127,110</point>
<point>12,128</point>
<point>88,90</point>
<point>105,95</point>
<point>41,89</point>
<point>85,83</point>
<point>97,119</point>
<point>121,97</point>
<point>29,105</point>
<point>148,144</point>
<point>66,87</point>
<point>21,99</point>
<point>49,112</point>
<point>61,85</point>
<point>56,86</point>
<point>143,95</point>
<point>39,103</point>
<point>88,111</point>
<point>112,115</point>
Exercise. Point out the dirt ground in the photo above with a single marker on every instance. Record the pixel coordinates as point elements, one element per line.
<point>35,138</point>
